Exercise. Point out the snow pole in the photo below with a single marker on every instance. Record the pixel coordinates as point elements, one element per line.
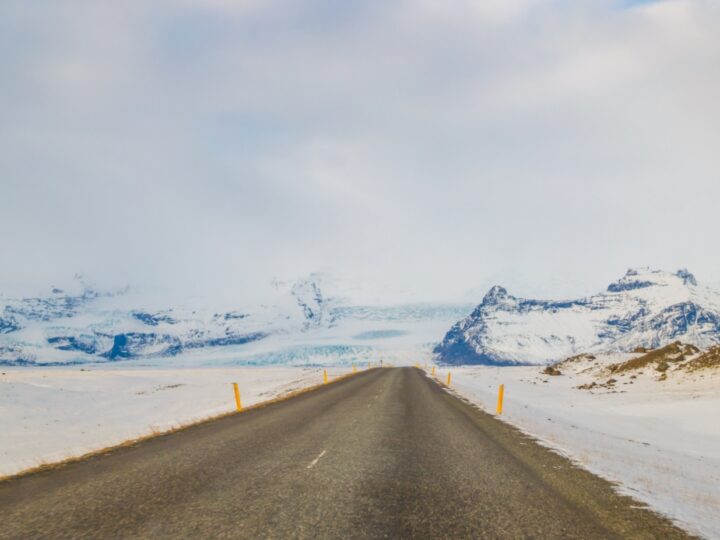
<point>449,378</point>
<point>325,377</point>
<point>433,371</point>
<point>238,403</point>
<point>354,369</point>
<point>501,394</point>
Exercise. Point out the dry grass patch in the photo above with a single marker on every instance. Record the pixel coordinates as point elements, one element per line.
<point>707,360</point>
<point>660,359</point>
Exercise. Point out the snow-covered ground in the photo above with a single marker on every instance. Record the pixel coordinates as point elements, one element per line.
<point>659,440</point>
<point>50,414</point>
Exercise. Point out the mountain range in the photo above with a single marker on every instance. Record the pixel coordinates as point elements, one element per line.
<point>645,308</point>
<point>313,320</point>
<point>300,323</point>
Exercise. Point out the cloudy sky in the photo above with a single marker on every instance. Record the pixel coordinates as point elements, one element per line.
<point>432,146</point>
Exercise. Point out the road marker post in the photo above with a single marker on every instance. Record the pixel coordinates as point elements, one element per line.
<point>501,394</point>
<point>433,371</point>
<point>449,378</point>
<point>354,369</point>
<point>325,377</point>
<point>238,403</point>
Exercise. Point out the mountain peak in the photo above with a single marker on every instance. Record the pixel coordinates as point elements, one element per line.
<point>645,307</point>
<point>495,295</point>
<point>310,298</point>
<point>640,278</point>
<point>687,277</point>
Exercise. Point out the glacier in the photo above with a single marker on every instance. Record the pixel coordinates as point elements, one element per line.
<point>644,308</point>
<point>308,321</point>
<point>312,321</point>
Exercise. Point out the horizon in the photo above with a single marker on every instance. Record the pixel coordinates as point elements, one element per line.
<point>359,268</point>
<point>332,287</point>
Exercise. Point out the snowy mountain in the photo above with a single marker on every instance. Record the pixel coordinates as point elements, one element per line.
<point>298,323</point>
<point>645,308</point>
<point>315,307</point>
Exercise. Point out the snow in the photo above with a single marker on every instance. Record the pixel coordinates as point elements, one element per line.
<point>301,324</point>
<point>645,307</point>
<point>658,440</point>
<point>50,414</point>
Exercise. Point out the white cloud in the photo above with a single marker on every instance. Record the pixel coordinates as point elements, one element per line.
<point>437,145</point>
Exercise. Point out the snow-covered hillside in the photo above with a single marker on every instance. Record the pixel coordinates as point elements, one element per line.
<point>645,308</point>
<point>299,323</point>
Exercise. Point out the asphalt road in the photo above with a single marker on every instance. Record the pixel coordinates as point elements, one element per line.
<point>385,454</point>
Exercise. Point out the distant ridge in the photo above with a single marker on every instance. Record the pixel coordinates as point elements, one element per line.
<point>644,308</point>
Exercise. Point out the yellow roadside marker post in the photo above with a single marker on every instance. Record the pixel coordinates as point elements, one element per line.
<point>354,369</point>
<point>501,393</point>
<point>449,377</point>
<point>433,371</point>
<point>325,377</point>
<point>238,403</point>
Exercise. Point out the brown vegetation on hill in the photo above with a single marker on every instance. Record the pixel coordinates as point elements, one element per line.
<point>708,359</point>
<point>552,370</point>
<point>659,358</point>
<point>574,359</point>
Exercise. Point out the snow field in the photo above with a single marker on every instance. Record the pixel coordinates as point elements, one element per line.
<point>658,440</point>
<point>51,414</point>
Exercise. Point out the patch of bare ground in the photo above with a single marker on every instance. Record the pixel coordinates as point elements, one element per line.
<point>610,384</point>
<point>660,359</point>
<point>552,371</point>
<point>606,374</point>
<point>708,360</point>
<point>573,360</point>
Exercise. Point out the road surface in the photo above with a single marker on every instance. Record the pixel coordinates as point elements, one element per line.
<point>387,453</point>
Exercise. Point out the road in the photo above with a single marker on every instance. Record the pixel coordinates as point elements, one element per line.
<point>387,453</point>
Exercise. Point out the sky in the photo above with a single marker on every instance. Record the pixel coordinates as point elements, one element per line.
<point>429,148</point>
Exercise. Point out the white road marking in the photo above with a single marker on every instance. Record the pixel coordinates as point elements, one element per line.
<point>314,461</point>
